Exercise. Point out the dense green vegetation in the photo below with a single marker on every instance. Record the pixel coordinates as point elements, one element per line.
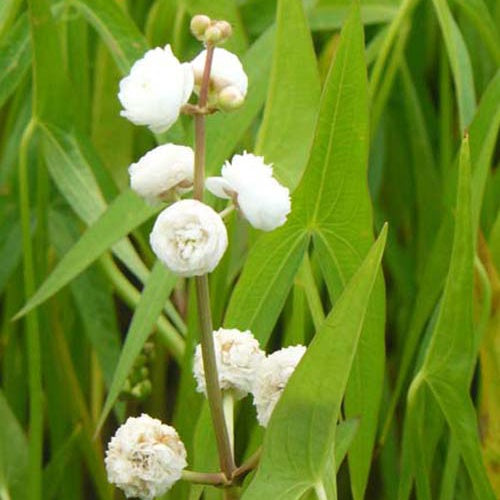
<point>371,112</point>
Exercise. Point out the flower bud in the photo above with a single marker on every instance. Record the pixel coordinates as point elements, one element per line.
<point>199,25</point>
<point>166,168</point>
<point>230,98</point>
<point>225,28</point>
<point>262,200</point>
<point>272,376</point>
<point>237,355</point>
<point>189,237</point>
<point>145,458</point>
<point>213,35</point>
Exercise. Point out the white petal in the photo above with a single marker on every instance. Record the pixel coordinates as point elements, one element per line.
<point>219,187</point>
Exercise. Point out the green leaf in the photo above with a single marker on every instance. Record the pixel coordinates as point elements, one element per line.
<point>124,40</point>
<point>301,433</point>
<point>450,358</point>
<point>156,292</point>
<point>328,17</point>
<point>287,127</point>
<point>93,297</point>
<point>266,280</point>
<point>70,158</point>
<point>13,455</point>
<point>126,213</point>
<point>479,14</point>
<point>460,63</point>
<point>15,57</point>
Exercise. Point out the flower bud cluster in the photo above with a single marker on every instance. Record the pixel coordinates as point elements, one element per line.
<point>210,31</point>
<point>244,368</point>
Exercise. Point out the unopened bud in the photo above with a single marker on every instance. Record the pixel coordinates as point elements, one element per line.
<point>225,29</point>
<point>199,25</point>
<point>230,98</point>
<point>213,35</point>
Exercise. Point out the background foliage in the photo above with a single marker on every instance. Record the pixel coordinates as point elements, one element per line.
<point>393,119</point>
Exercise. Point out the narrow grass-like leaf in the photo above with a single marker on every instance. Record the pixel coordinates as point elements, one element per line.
<point>15,57</point>
<point>480,15</point>
<point>449,362</point>
<point>156,292</point>
<point>126,213</point>
<point>301,433</point>
<point>69,163</point>
<point>459,61</point>
<point>124,40</point>
<point>10,250</point>
<point>93,298</point>
<point>287,127</point>
<point>13,455</point>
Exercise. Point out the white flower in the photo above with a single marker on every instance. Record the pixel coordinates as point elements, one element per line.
<point>226,71</point>
<point>272,377</point>
<point>263,201</point>
<point>238,356</point>
<point>145,457</point>
<point>189,237</point>
<point>162,169</point>
<point>155,90</point>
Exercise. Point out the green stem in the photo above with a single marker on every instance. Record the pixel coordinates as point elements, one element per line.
<point>32,327</point>
<point>214,395</point>
<point>212,478</point>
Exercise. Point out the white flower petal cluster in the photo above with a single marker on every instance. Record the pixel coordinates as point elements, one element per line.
<point>237,355</point>
<point>272,377</point>
<point>145,457</point>
<point>262,200</point>
<point>164,168</point>
<point>155,90</point>
<point>189,237</point>
<point>228,80</point>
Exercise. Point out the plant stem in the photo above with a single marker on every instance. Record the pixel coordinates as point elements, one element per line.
<point>213,478</point>
<point>212,378</point>
<point>214,395</point>
<point>32,326</point>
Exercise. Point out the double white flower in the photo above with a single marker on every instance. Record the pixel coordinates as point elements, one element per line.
<point>238,357</point>
<point>145,457</point>
<point>272,376</point>
<point>262,200</point>
<point>155,90</point>
<point>189,237</point>
<point>161,170</point>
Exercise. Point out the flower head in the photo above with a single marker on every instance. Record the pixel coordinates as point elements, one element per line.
<point>226,71</point>
<point>238,356</point>
<point>189,237</point>
<point>164,168</point>
<point>263,201</point>
<point>272,377</point>
<point>145,457</point>
<point>155,90</point>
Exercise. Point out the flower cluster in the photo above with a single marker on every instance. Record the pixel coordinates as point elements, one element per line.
<point>190,238</point>
<point>244,368</point>
<point>145,457</point>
